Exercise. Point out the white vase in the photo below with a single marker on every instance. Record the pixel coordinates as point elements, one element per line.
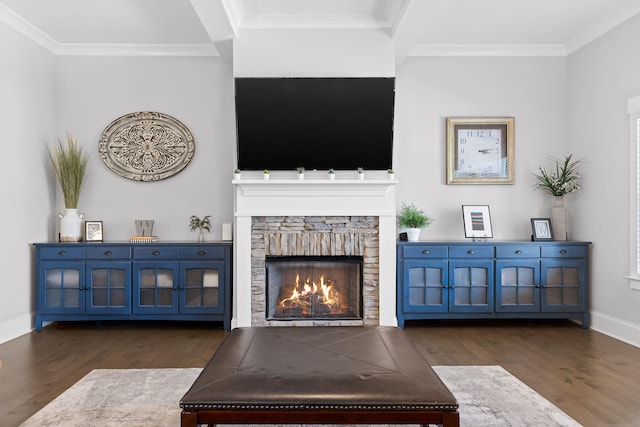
<point>237,176</point>
<point>71,226</point>
<point>559,218</point>
<point>265,176</point>
<point>332,176</point>
<point>413,234</point>
<point>360,176</point>
<point>300,176</point>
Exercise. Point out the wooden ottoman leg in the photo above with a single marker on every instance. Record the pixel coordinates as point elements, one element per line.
<point>189,419</point>
<point>451,419</point>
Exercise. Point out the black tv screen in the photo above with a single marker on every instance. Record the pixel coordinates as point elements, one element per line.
<point>316,123</point>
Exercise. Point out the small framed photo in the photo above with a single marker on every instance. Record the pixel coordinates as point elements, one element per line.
<point>93,231</point>
<point>480,150</point>
<point>541,229</point>
<point>477,221</point>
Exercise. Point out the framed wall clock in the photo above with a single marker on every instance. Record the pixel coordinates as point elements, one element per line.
<point>480,150</point>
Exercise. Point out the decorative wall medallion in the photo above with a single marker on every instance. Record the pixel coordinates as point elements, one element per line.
<point>146,146</point>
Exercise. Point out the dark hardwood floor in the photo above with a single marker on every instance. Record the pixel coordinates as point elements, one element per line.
<point>592,377</point>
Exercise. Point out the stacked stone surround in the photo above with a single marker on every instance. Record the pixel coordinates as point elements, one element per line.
<point>315,236</point>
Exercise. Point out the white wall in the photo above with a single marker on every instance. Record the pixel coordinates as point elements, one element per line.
<point>533,90</point>
<point>602,77</point>
<point>93,91</point>
<point>26,107</point>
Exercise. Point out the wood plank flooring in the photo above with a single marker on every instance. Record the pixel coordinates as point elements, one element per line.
<point>592,377</point>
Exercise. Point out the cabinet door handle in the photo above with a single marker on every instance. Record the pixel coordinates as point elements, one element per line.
<point>155,253</point>
<point>108,253</point>
<point>426,252</point>
<point>518,252</point>
<point>563,251</point>
<point>470,252</point>
<point>63,253</point>
<point>202,253</point>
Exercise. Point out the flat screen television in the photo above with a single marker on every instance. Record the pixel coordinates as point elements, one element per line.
<point>316,123</point>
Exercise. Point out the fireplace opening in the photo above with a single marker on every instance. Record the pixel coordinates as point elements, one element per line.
<point>314,287</point>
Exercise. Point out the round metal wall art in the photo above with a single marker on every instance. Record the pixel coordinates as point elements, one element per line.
<point>146,146</point>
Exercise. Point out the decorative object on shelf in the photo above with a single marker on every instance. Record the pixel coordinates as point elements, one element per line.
<point>360,173</point>
<point>144,231</point>
<point>413,219</point>
<point>93,231</point>
<point>563,180</point>
<point>541,229</point>
<point>200,224</point>
<point>265,174</point>
<point>146,146</point>
<point>300,170</point>
<point>69,164</point>
<point>237,174</point>
<point>480,150</point>
<point>332,174</point>
<point>390,174</point>
<point>477,222</point>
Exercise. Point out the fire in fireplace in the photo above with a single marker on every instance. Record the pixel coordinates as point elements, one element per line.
<point>314,287</point>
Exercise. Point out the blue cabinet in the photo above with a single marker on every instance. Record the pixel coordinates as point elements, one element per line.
<point>124,281</point>
<point>481,280</point>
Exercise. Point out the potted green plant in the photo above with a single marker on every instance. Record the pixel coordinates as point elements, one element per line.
<point>412,219</point>
<point>265,174</point>
<point>361,173</point>
<point>332,174</point>
<point>237,174</point>
<point>69,162</point>
<point>390,174</point>
<point>201,224</point>
<point>300,170</point>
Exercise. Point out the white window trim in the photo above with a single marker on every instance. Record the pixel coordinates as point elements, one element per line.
<point>633,109</point>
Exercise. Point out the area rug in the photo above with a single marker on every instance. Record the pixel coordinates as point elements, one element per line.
<point>488,396</point>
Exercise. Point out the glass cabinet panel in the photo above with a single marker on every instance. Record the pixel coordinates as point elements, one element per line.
<point>62,287</point>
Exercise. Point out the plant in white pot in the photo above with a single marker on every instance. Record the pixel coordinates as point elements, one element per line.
<point>412,219</point>
<point>69,163</point>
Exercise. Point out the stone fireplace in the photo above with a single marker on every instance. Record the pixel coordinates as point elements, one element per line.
<point>318,219</point>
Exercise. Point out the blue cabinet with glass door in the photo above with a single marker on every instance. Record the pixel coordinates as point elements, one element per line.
<point>126,281</point>
<point>484,280</point>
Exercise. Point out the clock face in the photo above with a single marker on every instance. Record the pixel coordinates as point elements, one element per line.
<point>479,153</point>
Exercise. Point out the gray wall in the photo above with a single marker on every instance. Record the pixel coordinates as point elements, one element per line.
<point>561,105</point>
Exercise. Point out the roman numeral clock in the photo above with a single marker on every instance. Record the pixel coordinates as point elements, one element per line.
<point>480,150</point>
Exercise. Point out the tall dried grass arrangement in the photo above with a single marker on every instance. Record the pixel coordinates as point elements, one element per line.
<point>69,164</point>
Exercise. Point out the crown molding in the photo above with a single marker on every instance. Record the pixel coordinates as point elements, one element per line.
<point>25,28</point>
<point>90,49</point>
<point>591,34</point>
<point>487,50</point>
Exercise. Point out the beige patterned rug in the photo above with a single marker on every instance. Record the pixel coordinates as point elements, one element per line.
<point>488,396</point>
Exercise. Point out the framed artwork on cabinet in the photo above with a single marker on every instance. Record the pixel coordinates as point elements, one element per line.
<point>541,229</point>
<point>477,221</point>
<point>93,231</point>
<point>480,150</point>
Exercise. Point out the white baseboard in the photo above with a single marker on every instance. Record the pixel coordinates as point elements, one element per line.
<point>616,328</point>
<point>13,328</point>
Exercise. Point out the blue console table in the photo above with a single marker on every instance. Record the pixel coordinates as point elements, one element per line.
<point>129,281</point>
<point>492,280</point>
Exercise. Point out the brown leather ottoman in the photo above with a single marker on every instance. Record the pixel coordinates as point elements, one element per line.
<point>318,375</point>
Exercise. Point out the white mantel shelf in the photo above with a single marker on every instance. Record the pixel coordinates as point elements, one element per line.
<point>314,197</point>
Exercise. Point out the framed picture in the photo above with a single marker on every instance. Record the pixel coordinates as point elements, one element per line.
<point>480,150</point>
<point>477,221</point>
<point>541,229</point>
<point>93,231</point>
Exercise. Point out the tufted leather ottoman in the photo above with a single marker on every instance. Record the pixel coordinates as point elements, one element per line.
<point>318,375</point>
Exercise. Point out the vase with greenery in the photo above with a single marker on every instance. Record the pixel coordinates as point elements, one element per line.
<point>332,174</point>
<point>301,171</point>
<point>69,162</point>
<point>560,181</point>
<point>201,224</point>
<point>413,219</point>
<point>237,174</point>
<point>265,174</point>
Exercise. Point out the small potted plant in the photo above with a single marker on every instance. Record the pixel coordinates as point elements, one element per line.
<point>360,173</point>
<point>265,174</point>
<point>300,170</point>
<point>200,224</point>
<point>412,219</point>
<point>332,174</point>
<point>236,174</point>
<point>390,174</point>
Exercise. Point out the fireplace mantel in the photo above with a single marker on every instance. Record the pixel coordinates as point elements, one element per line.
<point>314,198</point>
